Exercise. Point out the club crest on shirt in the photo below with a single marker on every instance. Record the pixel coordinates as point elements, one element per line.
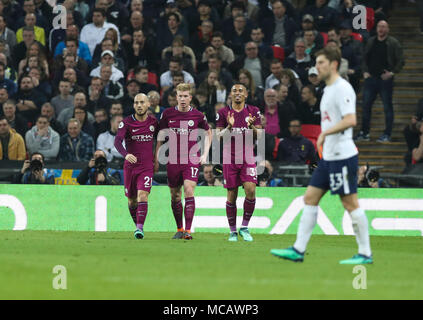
<point>247,118</point>
<point>121,124</point>
<point>152,128</point>
<point>191,123</point>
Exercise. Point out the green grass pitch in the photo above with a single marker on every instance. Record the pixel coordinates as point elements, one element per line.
<point>113,265</point>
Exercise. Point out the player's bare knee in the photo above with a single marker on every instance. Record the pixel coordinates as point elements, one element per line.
<point>350,203</point>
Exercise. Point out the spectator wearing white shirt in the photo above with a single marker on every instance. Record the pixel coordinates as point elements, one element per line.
<point>175,64</point>
<point>106,140</point>
<point>93,33</point>
<point>108,59</point>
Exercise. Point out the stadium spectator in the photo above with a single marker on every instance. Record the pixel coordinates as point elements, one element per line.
<point>383,58</point>
<point>16,121</point>
<point>77,61</point>
<point>132,89</point>
<point>19,52</point>
<point>30,21</point>
<point>112,89</point>
<point>79,100</point>
<point>309,108</point>
<point>201,38</point>
<point>238,35</point>
<point>352,51</point>
<point>324,16</point>
<point>116,11</point>
<point>43,139</point>
<point>107,59</point>
<point>344,66</point>
<point>106,140</point>
<point>180,51</point>
<point>307,23</point>
<point>34,51</point>
<point>97,173</point>
<point>64,99</point>
<point>286,109</point>
<point>177,78</point>
<point>267,178</point>
<point>141,51</point>
<point>136,22</point>
<point>8,84</point>
<point>75,145</point>
<point>4,96</point>
<point>251,10</point>
<point>97,98</point>
<point>204,12</point>
<point>166,35</point>
<point>215,64</point>
<point>274,78</point>
<point>175,64</point>
<point>101,122</point>
<point>93,33</point>
<point>171,100</point>
<point>30,7</point>
<point>9,71</point>
<point>82,50</point>
<point>142,75</point>
<point>412,131</point>
<point>33,171</point>
<point>29,100</point>
<point>70,75</point>
<point>265,50</point>
<point>47,111</point>
<point>255,94</point>
<point>110,42</point>
<point>116,109</point>
<point>215,90</point>
<point>226,54</point>
<point>80,113</point>
<point>288,79</point>
<point>258,66</point>
<point>155,108</point>
<point>279,28</point>
<point>6,34</point>
<point>209,177</point>
<point>313,78</point>
<point>12,145</point>
<point>312,46</point>
<point>299,61</point>
<point>296,149</point>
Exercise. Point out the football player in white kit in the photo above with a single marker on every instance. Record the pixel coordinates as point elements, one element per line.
<point>337,171</point>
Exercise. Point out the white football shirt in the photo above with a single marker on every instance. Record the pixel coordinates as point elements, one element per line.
<point>338,100</point>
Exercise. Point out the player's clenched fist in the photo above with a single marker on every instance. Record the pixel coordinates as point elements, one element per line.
<point>131,158</point>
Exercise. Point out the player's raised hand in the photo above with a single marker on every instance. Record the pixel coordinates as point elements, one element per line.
<point>131,158</point>
<point>251,120</point>
<point>230,119</point>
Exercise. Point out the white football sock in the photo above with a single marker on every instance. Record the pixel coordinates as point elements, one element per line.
<point>361,230</point>
<point>307,222</point>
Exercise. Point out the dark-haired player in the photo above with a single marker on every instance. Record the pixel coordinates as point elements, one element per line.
<point>182,122</point>
<point>337,171</point>
<point>137,131</point>
<point>239,119</point>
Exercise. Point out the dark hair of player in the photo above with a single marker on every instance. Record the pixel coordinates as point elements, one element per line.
<point>332,54</point>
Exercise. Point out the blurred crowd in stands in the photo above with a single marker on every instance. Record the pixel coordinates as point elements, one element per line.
<point>63,92</point>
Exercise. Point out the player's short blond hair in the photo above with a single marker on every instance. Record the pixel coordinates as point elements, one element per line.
<point>183,87</point>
